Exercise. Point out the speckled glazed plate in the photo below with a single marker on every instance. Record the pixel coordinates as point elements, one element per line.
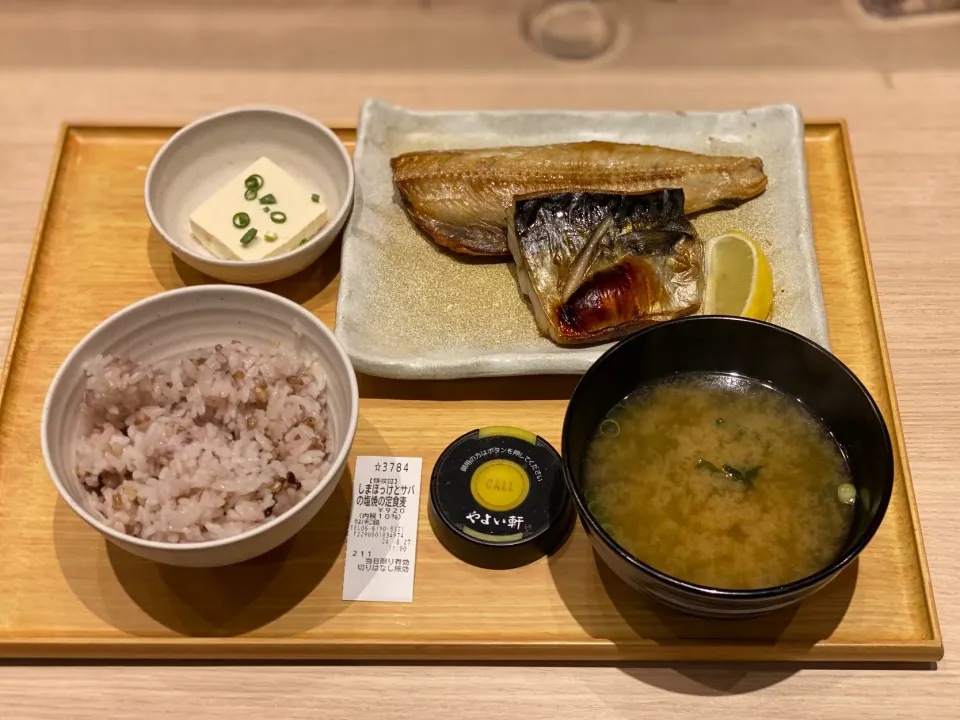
<point>408,310</point>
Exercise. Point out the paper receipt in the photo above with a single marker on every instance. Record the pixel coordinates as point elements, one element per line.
<point>382,538</point>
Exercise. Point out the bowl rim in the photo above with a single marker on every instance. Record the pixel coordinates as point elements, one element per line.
<point>705,591</point>
<point>336,222</point>
<point>338,462</point>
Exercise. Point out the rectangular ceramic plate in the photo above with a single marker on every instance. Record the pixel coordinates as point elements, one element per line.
<point>409,310</point>
<point>66,592</point>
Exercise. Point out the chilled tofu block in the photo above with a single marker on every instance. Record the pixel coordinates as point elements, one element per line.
<point>260,213</point>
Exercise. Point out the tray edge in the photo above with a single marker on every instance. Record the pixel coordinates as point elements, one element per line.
<point>932,615</point>
<point>30,270</point>
<point>574,652</point>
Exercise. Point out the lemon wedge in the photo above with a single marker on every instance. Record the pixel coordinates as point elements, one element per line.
<point>739,279</point>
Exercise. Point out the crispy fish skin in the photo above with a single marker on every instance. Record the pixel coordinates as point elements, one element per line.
<point>459,198</point>
<point>646,267</point>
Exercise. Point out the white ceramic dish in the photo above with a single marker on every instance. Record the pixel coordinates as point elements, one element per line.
<point>407,310</point>
<point>201,157</point>
<point>167,325</point>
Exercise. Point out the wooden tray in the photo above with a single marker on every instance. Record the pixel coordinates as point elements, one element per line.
<point>64,592</point>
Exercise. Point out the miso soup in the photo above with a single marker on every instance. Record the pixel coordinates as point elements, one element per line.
<point>720,481</point>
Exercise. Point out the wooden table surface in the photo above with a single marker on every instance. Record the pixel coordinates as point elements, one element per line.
<point>898,85</point>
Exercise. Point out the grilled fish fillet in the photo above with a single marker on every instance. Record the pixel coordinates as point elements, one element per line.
<point>459,198</point>
<point>596,266</point>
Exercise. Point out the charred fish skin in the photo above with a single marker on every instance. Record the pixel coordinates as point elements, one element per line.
<point>460,198</point>
<point>647,266</point>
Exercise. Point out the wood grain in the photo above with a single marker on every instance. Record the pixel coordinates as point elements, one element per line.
<point>895,83</point>
<point>74,595</point>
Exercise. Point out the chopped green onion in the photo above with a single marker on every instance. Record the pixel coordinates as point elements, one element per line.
<point>266,209</point>
<point>241,220</point>
<point>267,199</point>
<point>250,194</point>
<point>253,181</point>
<point>315,197</point>
<point>610,428</point>
<point>302,242</point>
<point>278,217</point>
<point>847,493</point>
<point>249,236</point>
<point>270,237</point>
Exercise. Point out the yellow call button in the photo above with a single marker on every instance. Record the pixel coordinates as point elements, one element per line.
<point>499,485</point>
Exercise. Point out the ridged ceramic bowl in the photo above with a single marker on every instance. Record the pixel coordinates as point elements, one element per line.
<point>779,358</point>
<point>200,158</point>
<point>166,326</point>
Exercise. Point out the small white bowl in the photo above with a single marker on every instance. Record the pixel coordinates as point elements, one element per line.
<point>200,158</point>
<point>166,326</point>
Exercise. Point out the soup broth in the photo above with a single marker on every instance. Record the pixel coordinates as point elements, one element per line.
<point>720,481</point>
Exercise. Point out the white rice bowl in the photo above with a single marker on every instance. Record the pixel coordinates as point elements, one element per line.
<point>205,446</point>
